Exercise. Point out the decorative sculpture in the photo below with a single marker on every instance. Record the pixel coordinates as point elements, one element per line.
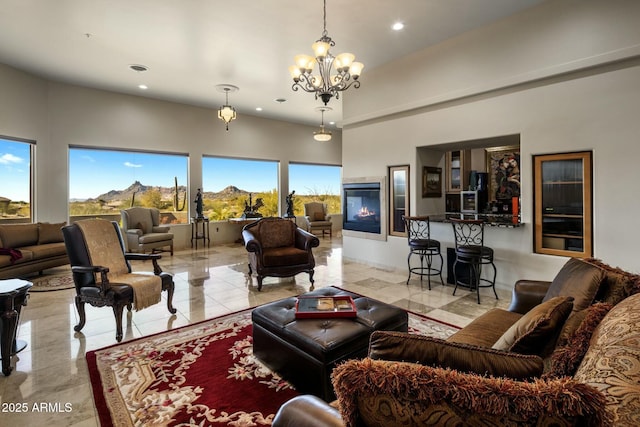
<point>289,200</point>
<point>198,202</point>
<point>250,210</point>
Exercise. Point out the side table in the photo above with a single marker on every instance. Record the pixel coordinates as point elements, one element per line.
<point>13,295</point>
<point>200,230</point>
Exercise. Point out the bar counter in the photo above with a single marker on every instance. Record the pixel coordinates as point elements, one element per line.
<point>490,219</point>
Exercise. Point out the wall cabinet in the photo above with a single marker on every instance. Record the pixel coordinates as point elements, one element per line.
<point>457,170</point>
<point>563,204</point>
<point>398,199</point>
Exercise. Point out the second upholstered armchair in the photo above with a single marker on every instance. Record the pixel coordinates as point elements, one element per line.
<point>317,217</point>
<point>143,230</point>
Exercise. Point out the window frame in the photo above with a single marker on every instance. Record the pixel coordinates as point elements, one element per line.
<point>319,197</point>
<point>31,174</point>
<point>251,195</point>
<point>183,198</point>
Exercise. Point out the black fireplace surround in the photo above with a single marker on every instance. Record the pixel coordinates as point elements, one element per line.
<point>361,207</point>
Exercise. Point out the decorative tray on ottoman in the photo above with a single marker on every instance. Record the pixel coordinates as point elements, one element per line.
<point>313,307</point>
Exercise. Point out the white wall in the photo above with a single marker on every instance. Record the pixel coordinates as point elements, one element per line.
<point>564,76</point>
<point>58,115</point>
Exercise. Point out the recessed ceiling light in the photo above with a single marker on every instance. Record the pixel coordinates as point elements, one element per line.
<point>332,123</point>
<point>397,26</point>
<point>143,87</point>
<point>139,68</point>
<point>258,108</point>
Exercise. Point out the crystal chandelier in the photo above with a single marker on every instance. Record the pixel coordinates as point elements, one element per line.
<point>334,74</point>
<point>322,135</point>
<point>227,113</point>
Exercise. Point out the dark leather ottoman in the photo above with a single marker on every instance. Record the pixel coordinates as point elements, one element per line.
<point>305,351</point>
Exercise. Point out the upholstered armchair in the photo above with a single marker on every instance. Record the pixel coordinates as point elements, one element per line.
<point>317,217</point>
<point>143,230</point>
<point>102,273</point>
<point>278,247</point>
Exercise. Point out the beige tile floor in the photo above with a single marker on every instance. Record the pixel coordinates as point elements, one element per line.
<point>209,282</point>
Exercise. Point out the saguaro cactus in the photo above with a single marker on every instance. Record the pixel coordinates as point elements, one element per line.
<point>176,197</point>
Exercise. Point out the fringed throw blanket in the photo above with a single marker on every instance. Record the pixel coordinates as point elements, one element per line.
<point>105,250</point>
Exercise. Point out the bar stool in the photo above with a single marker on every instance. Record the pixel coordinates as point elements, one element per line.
<point>470,250</point>
<point>421,244</point>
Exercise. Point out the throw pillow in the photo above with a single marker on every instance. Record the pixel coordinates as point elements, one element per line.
<point>436,352</point>
<point>578,279</point>
<point>536,332</point>
<point>612,360</point>
<point>571,325</point>
<point>568,354</point>
<point>376,392</point>
<point>141,226</point>
<point>50,233</point>
<point>18,235</point>
<point>617,285</point>
<point>318,216</point>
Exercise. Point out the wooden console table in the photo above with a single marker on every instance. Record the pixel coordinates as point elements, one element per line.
<point>13,295</point>
<point>202,233</point>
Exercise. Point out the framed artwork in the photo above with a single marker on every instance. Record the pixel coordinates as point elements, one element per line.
<point>431,181</point>
<point>503,165</point>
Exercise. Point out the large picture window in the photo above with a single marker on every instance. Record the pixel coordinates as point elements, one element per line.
<point>315,183</point>
<point>232,185</point>
<point>15,176</point>
<point>103,182</point>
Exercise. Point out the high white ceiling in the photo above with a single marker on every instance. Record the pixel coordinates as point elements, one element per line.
<point>190,46</point>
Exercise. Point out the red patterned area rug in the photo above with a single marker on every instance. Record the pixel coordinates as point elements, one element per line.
<point>203,374</point>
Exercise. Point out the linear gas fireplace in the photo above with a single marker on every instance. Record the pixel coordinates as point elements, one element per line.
<point>363,207</point>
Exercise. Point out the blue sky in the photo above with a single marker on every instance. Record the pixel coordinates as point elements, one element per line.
<point>256,176</point>
<point>314,179</point>
<point>250,175</point>
<point>14,170</point>
<point>94,172</point>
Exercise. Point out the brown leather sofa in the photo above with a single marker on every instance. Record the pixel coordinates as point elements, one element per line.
<point>522,366</point>
<point>277,247</point>
<point>30,248</point>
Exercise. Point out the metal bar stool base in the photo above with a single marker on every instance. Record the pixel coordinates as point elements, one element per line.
<point>475,279</point>
<point>425,270</point>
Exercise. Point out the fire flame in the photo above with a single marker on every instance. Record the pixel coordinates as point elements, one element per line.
<point>364,211</point>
